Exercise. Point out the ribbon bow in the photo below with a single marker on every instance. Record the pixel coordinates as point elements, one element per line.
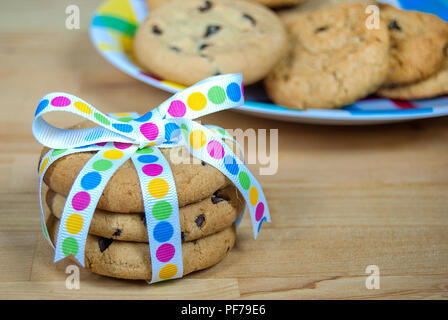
<point>118,138</point>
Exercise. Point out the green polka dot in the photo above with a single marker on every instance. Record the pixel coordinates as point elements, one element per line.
<point>70,246</point>
<point>102,119</point>
<point>58,151</point>
<point>223,132</point>
<point>102,165</point>
<point>217,95</point>
<point>244,180</point>
<point>44,228</point>
<point>184,131</point>
<point>145,150</point>
<point>125,119</point>
<point>162,210</point>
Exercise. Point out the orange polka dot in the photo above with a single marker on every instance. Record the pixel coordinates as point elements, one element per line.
<point>196,101</point>
<point>168,271</point>
<point>43,165</point>
<point>253,196</point>
<point>74,223</point>
<point>197,139</point>
<point>158,188</point>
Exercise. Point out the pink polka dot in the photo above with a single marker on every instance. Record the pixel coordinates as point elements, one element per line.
<point>60,101</point>
<point>152,170</point>
<point>177,108</point>
<point>101,144</point>
<point>259,211</point>
<point>81,200</point>
<point>242,89</point>
<point>122,145</point>
<point>165,252</point>
<point>215,149</point>
<point>149,130</point>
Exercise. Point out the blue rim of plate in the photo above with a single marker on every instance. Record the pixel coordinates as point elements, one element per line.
<point>115,21</point>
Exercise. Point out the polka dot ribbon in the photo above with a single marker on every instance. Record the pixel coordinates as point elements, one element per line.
<point>122,136</point>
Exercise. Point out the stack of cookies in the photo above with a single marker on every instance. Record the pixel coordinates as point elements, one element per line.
<point>117,243</point>
<point>318,54</point>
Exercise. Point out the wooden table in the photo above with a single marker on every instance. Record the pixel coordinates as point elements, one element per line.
<point>343,198</point>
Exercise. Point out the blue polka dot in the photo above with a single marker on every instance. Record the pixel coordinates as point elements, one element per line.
<point>42,105</point>
<point>91,180</point>
<point>231,164</point>
<point>148,158</point>
<point>83,147</point>
<point>234,92</point>
<point>163,231</point>
<point>171,131</point>
<point>144,117</point>
<point>123,127</point>
<point>261,222</point>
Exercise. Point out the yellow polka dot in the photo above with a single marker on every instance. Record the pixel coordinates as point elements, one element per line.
<point>197,139</point>
<point>43,165</point>
<point>82,107</point>
<point>150,144</point>
<point>74,223</point>
<point>122,114</point>
<point>253,196</point>
<point>168,271</point>
<point>113,154</point>
<point>158,188</point>
<point>196,101</point>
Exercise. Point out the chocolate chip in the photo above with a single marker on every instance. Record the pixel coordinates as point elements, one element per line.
<point>211,30</point>
<point>203,163</point>
<point>104,243</point>
<point>217,73</point>
<point>182,235</point>
<point>323,28</point>
<point>215,200</point>
<point>175,49</point>
<point>250,18</point>
<point>200,220</point>
<point>143,217</point>
<point>117,233</point>
<point>217,197</point>
<point>156,29</point>
<point>393,25</point>
<point>203,46</point>
<point>207,6</point>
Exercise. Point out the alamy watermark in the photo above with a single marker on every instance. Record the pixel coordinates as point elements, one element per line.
<point>72,21</point>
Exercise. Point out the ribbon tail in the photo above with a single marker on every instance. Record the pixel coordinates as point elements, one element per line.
<point>204,144</point>
<point>83,197</point>
<point>161,213</point>
<point>47,160</point>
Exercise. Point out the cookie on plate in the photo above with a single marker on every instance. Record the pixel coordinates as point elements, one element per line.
<point>152,4</point>
<point>418,41</point>
<point>334,60</point>
<point>131,260</point>
<point>288,15</point>
<point>197,220</point>
<point>195,179</point>
<point>187,41</point>
<point>435,85</point>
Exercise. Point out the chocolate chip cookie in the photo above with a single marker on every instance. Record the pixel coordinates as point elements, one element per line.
<point>197,220</point>
<point>334,60</point>
<point>418,41</point>
<point>268,3</point>
<point>435,85</point>
<point>131,260</point>
<point>187,41</point>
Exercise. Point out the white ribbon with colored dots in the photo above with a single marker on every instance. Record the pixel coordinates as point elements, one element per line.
<point>120,137</point>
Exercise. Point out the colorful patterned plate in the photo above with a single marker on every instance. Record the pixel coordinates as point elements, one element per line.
<point>115,21</point>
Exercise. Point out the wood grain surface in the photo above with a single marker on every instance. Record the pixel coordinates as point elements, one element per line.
<point>343,197</point>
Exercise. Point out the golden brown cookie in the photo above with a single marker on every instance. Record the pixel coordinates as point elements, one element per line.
<point>289,15</point>
<point>197,220</point>
<point>418,41</point>
<point>152,4</point>
<point>187,41</point>
<point>195,180</point>
<point>131,260</point>
<point>334,60</point>
<point>435,85</point>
